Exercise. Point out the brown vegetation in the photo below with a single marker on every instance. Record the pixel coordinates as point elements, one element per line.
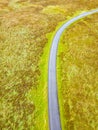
<point>79,75</point>
<point>23,29</point>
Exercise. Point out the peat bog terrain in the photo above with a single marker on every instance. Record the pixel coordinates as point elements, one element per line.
<point>26,31</point>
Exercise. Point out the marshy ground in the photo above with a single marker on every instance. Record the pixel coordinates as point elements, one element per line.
<point>24,25</point>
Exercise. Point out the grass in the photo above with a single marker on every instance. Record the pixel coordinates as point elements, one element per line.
<point>42,97</point>
<point>77,75</point>
<point>54,10</point>
<point>23,84</point>
<point>44,78</point>
<point>14,78</point>
<point>26,31</point>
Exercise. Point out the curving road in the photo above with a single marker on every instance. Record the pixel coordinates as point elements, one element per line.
<point>53,106</point>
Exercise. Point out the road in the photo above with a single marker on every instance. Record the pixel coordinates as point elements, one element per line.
<point>53,105</point>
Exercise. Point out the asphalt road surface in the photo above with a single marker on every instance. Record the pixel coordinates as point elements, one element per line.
<point>53,105</point>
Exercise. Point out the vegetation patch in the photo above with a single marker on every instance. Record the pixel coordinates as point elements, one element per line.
<point>25,42</point>
<point>53,10</point>
<point>77,75</point>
